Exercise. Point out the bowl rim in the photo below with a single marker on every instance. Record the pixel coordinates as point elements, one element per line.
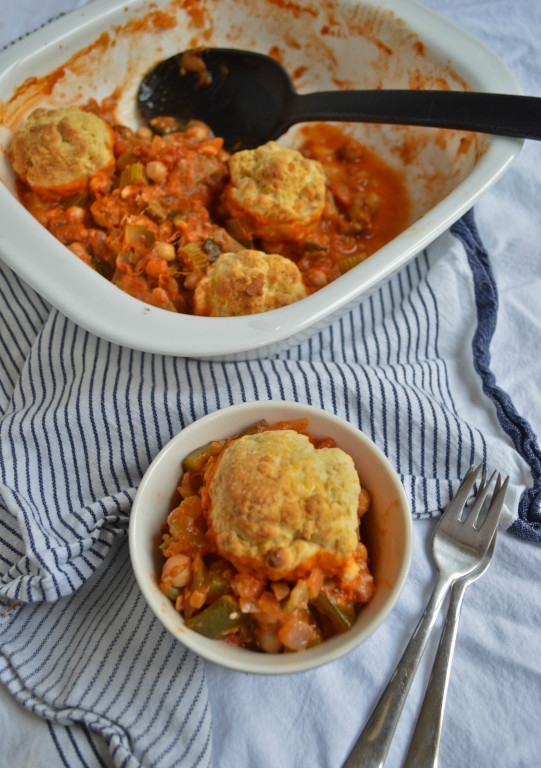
<point>127,321</point>
<point>240,659</point>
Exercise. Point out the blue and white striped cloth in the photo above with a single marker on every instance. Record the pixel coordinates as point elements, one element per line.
<point>81,419</point>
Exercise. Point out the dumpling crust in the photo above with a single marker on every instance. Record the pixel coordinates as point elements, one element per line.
<point>57,150</point>
<point>282,506</point>
<point>248,282</point>
<point>277,190</point>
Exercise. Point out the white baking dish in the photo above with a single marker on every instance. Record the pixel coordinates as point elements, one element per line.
<point>109,45</point>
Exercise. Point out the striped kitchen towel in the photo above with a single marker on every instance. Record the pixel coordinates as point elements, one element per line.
<point>81,420</point>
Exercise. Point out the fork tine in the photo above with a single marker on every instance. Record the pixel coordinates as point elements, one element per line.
<point>493,515</point>
<point>495,492</point>
<point>454,509</point>
<point>473,513</point>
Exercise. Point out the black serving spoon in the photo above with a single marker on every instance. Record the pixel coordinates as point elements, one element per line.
<point>248,99</point>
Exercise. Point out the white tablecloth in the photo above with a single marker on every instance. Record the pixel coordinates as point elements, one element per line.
<point>494,705</point>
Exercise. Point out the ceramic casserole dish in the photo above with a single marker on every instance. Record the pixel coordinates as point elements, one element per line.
<point>106,47</point>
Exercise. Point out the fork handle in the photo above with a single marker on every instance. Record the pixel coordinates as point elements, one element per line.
<point>373,744</point>
<point>425,742</point>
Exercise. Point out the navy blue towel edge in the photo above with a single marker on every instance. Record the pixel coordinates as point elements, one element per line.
<point>528,523</point>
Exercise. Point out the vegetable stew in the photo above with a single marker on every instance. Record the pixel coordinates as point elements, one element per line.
<point>154,221</point>
<point>241,605</point>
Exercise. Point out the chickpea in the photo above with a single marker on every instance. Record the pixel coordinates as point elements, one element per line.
<point>351,570</point>
<point>351,149</point>
<point>304,263</point>
<point>129,191</point>
<point>179,222</point>
<point>192,279</point>
<point>373,201</point>
<point>192,62</point>
<point>155,268</point>
<point>75,214</point>
<point>198,130</point>
<point>41,216</point>
<point>165,251</point>
<point>144,133</point>
<point>317,277</point>
<point>268,640</point>
<point>156,171</point>
<point>79,250</point>
<point>99,184</point>
<point>176,571</point>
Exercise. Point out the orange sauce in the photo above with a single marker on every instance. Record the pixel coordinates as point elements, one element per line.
<point>369,193</point>
<point>291,610</point>
<point>155,237</point>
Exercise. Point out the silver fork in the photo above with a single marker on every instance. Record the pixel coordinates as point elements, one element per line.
<point>457,547</point>
<point>425,742</point>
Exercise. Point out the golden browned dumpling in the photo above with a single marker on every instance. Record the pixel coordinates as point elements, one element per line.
<point>276,190</point>
<point>57,150</point>
<point>281,506</point>
<point>248,282</point>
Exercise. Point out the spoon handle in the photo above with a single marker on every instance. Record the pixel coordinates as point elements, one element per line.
<point>498,114</point>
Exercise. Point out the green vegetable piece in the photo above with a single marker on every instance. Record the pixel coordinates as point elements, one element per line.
<point>349,262</point>
<point>199,574</point>
<point>156,211</point>
<point>212,249</point>
<point>257,427</point>
<point>195,460</point>
<point>313,246</point>
<point>217,585</point>
<point>195,256</point>
<point>341,618</point>
<point>172,593</point>
<point>192,537</point>
<point>240,231</point>
<point>133,174</point>
<point>218,619</point>
<point>139,234</point>
<point>78,200</point>
<point>126,158</point>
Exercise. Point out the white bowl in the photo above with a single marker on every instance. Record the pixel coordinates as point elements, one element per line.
<point>386,531</point>
<point>111,44</point>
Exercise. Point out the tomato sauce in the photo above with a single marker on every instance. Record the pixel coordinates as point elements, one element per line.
<point>153,223</point>
<point>240,605</point>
